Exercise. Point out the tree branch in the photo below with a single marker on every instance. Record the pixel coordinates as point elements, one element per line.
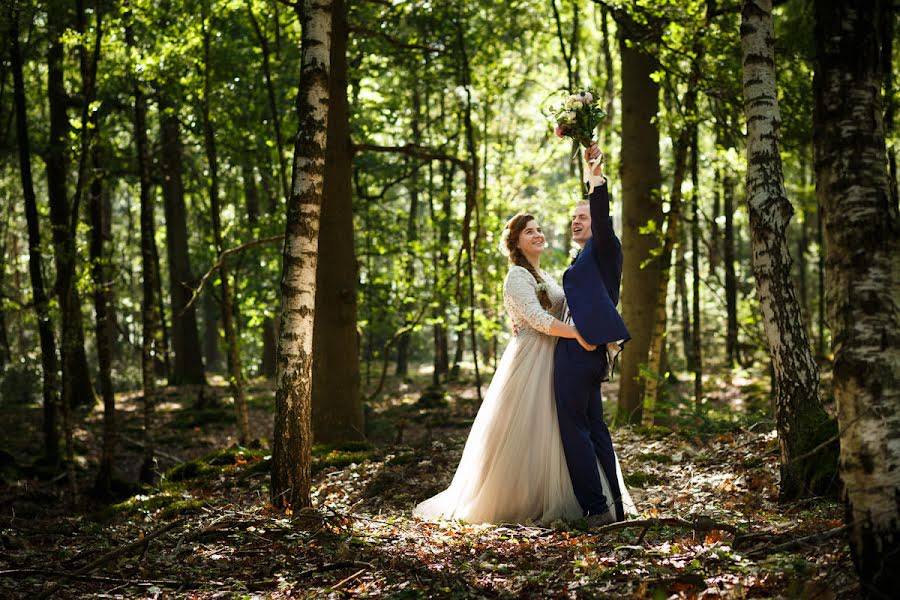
<point>396,43</point>
<point>225,254</point>
<point>415,151</point>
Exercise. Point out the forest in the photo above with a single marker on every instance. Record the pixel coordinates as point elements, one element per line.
<point>252,292</point>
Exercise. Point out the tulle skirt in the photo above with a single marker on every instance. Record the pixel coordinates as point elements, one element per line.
<point>513,467</point>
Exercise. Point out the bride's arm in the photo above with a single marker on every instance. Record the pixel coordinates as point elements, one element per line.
<point>521,292</point>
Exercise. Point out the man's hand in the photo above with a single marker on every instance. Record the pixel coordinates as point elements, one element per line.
<point>594,153</point>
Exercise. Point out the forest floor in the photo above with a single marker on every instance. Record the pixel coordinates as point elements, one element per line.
<point>207,530</point>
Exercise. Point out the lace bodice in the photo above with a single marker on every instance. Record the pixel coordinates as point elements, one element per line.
<point>522,304</point>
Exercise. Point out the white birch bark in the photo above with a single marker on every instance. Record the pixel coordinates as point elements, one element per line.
<point>800,420</point>
<point>862,255</point>
<point>293,429</point>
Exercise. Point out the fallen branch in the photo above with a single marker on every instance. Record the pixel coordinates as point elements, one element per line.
<point>111,555</point>
<point>53,573</point>
<point>809,540</point>
<point>344,564</point>
<point>156,451</point>
<point>698,524</point>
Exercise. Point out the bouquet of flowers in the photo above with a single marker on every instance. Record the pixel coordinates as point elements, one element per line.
<point>577,117</point>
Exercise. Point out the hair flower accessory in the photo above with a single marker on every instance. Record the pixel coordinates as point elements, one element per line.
<point>504,238</point>
<point>543,287</point>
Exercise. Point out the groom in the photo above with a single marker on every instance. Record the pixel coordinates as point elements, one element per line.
<point>591,285</point>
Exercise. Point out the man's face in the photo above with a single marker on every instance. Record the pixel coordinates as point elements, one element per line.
<point>581,224</point>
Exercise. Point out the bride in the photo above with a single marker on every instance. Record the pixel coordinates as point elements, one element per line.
<point>513,468</point>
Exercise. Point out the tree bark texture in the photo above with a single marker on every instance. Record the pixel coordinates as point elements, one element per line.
<point>800,420</point>
<point>76,380</point>
<point>337,411</point>
<point>728,252</point>
<point>657,342</point>
<point>49,361</point>
<point>292,444</point>
<point>862,244</point>
<point>641,205</point>
<point>150,317</point>
<point>188,366</point>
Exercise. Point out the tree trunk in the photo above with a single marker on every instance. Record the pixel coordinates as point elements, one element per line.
<point>251,194</point>
<point>270,92</point>
<point>820,270</point>
<point>800,420</point>
<point>337,411</point>
<point>150,317</point>
<point>657,343</point>
<point>731,328</point>
<point>887,70</point>
<point>49,361</point>
<point>862,242</point>
<point>270,348</point>
<point>681,299</point>
<point>188,366</point>
<point>76,381</point>
<point>412,236</point>
<point>292,443</point>
<point>101,234</point>
<point>211,345</point>
<point>697,335</point>
<point>235,371</point>
<point>641,182</point>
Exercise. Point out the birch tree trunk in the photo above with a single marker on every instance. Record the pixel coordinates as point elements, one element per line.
<point>292,444</point>
<point>801,422</point>
<point>862,245</point>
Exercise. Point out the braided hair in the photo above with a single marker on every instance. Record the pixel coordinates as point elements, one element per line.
<point>514,228</point>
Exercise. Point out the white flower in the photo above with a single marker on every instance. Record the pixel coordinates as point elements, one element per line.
<point>588,98</point>
<point>570,115</point>
<point>577,104</point>
<point>569,101</point>
<point>542,287</point>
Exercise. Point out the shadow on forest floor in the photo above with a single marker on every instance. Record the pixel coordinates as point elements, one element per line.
<point>208,530</point>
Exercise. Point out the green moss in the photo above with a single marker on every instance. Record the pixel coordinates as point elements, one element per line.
<point>654,431</point>
<point>640,479</point>
<point>189,470</point>
<point>655,457</point>
<point>181,507</point>
<point>404,458</point>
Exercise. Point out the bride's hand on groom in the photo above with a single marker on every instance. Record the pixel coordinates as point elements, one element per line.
<point>585,345</point>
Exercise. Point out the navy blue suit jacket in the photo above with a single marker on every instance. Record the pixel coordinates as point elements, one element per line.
<point>592,282</point>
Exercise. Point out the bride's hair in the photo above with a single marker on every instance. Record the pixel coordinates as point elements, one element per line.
<point>514,228</point>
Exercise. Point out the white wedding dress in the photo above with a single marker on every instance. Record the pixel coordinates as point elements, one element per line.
<point>513,467</point>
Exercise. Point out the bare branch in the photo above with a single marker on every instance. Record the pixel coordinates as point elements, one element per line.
<point>225,254</point>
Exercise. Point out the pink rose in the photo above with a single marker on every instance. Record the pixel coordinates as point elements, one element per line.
<point>560,131</point>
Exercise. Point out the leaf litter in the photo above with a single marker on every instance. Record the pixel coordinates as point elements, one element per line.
<point>359,539</point>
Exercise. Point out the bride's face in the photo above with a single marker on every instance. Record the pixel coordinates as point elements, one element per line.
<point>531,240</point>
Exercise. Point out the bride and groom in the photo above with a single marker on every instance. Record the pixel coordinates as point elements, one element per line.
<point>539,449</point>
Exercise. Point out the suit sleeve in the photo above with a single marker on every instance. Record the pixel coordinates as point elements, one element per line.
<point>605,247</point>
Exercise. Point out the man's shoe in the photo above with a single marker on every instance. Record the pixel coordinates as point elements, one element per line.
<point>600,519</point>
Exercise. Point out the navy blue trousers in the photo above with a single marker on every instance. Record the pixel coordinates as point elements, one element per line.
<point>577,376</point>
